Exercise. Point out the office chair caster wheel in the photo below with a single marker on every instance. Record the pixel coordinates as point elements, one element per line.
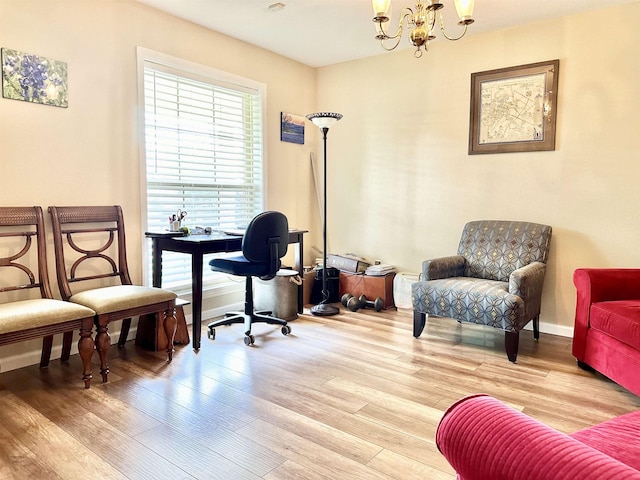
<point>249,339</point>
<point>211,334</point>
<point>286,330</point>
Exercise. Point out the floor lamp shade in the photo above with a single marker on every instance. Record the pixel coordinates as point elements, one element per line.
<point>324,120</point>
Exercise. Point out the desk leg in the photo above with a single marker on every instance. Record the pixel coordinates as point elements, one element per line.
<point>196,310</point>
<point>156,263</point>
<point>300,268</point>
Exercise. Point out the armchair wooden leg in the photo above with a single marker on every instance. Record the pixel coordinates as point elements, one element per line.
<point>103,342</point>
<point>536,327</point>
<point>419,321</point>
<point>511,341</point>
<point>86,346</point>
<point>170,323</point>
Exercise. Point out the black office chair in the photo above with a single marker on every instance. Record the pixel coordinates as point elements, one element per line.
<point>264,243</point>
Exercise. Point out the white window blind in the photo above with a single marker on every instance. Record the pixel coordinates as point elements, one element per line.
<point>203,155</point>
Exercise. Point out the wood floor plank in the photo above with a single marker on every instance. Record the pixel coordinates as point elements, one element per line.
<point>351,396</point>
<point>307,453</point>
<point>194,457</point>
<point>55,447</point>
<point>128,420</point>
<point>17,462</point>
<point>401,468</point>
<point>291,470</point>
<point>204,418</point>
<point>329,437</point>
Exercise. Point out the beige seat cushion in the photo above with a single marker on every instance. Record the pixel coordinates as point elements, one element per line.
<point>27,314</point>
<point>121,297</point>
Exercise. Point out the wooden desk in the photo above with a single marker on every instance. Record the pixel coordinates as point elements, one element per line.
<point>197,246</point>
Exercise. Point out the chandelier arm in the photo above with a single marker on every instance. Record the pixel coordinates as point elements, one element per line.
<point>406,13</point>
<point>388,49</point>
<point>444,33</point>
<point>432,19</point>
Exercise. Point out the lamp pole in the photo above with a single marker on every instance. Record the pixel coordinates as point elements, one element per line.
<point>324,120</point>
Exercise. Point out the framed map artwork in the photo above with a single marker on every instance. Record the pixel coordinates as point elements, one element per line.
<point>514,109</point>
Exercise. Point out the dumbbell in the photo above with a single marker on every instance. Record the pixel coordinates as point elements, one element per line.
<point>353,303</point>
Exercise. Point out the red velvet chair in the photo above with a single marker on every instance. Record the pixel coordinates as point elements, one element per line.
<point>484,439</point>
<point>606,335</point>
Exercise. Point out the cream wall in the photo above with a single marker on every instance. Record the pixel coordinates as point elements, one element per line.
<point>89,152</point>
<point>401,183</point>
<point>399,155</point>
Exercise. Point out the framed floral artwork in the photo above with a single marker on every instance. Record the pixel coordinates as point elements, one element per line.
<point>33,78</point>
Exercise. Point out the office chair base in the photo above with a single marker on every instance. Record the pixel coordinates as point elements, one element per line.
<point>248,320</point>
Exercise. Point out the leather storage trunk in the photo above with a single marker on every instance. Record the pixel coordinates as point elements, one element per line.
<point>370,286</point>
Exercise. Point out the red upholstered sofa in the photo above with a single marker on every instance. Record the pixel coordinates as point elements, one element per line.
<point>606,336</point>
<point>484,439</point>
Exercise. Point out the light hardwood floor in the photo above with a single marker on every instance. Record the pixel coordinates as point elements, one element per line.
<point>353,396</point>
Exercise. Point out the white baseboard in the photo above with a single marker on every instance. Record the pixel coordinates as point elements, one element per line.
<point>32,356</point>
<point>553,329</point>
<point>212,313</point>
<point>545,327</point>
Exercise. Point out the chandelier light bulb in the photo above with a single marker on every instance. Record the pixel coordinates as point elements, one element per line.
<point>465,11</point>
<point>381,7</point>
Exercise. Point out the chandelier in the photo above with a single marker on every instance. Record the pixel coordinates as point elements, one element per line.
<point>422,21</point>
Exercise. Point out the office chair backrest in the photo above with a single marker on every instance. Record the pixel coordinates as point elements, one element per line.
<point>266,239</point>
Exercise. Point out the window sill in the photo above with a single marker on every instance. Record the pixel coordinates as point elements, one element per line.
<point>212,289</point>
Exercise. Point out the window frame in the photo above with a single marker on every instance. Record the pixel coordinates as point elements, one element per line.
<point>201,73</point>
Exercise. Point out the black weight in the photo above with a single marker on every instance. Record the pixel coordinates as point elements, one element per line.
<point>354,304</point>
<point>345,298</point>
<point>378,304</point>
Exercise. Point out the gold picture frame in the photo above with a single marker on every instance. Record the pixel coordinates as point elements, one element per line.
<point>514,109</point>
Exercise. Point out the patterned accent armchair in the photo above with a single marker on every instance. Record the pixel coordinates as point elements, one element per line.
<point>495,279</point>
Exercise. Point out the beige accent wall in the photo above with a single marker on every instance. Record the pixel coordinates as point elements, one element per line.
<point>402,184</point>
<point>89,152</point>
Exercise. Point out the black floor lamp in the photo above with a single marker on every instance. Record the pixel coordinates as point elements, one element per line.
<point>324,120</point>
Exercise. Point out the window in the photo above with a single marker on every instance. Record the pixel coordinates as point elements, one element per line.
<point>203,152</point>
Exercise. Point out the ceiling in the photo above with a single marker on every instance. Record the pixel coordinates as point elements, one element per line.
<point>324,32</point>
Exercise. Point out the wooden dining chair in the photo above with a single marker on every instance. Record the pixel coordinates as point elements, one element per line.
<point>23,269</point>
<point>90,251</point>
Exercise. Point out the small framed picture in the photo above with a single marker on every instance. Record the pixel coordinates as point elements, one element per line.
<point>291,128</point>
